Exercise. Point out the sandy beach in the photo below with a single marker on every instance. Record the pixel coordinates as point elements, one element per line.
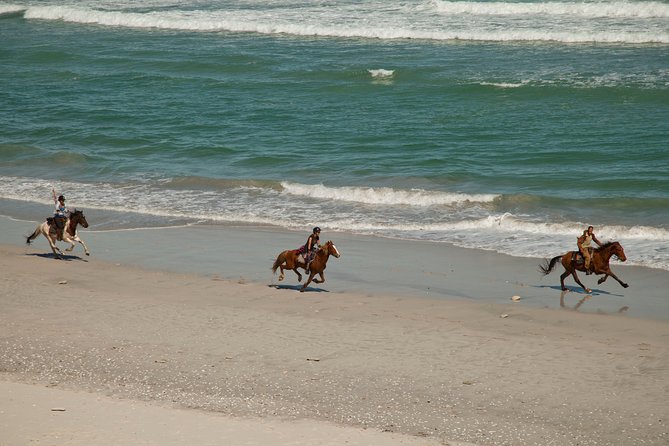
<point>183,336</point>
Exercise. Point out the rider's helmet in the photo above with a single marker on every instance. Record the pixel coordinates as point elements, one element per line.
<point>61,198</point>
<point>317,229</point>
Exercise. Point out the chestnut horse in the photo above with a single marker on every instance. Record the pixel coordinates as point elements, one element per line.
<point>289,260</point>
<point>69,234</point>
<point>599,263</point>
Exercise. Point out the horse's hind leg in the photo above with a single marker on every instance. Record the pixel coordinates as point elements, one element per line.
<point>586,289</point>
<point>56,250</point>
<point>562,277</point>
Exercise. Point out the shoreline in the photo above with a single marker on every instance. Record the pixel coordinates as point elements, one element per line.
<point>369,265</point>
<point>464,366</point>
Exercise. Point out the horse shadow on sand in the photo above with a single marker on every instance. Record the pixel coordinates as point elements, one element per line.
<point>66,257</point>
<point>578,290</point>
<point>298,288</point>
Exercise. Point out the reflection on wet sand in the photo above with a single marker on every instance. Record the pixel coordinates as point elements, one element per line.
<point>585,298</point>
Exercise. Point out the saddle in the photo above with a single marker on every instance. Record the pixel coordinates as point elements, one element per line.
<point>55,224</point>
<point>578,259</point>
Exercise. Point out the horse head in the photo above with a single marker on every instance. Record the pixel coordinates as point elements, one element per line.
<point>609,249</point>
<point>330,248</point>
<point>77,217</point>
<point>618,251</point>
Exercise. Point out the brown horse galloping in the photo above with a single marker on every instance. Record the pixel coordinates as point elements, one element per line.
<point>289,260</point>
<point>599,262</point>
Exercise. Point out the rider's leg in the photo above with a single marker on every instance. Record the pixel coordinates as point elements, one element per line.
<point>586,257</point>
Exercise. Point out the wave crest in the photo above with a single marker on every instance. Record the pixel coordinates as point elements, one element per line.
<point>385,195</point>
<point>580,9</point>
<point>556,22</point>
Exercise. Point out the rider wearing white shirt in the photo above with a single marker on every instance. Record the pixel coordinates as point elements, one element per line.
<point>60,214</point>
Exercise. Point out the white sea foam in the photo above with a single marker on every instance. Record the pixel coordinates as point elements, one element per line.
<point>581,9</point>
<point>381,73</point>
<point>384,195</point>
<point>578,22</point>
<point>461,219</point>
<point>505,84</point>
<point>11,9</point>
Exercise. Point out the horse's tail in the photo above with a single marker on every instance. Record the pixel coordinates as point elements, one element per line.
<point>279,260</point>
<point>548,265</point>
<point>32,236</point>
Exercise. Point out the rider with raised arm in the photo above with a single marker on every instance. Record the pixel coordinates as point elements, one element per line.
<point>584,243</point>
<point>60,214</point>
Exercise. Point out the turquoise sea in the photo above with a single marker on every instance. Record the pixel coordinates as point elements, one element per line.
<point>506,126</point>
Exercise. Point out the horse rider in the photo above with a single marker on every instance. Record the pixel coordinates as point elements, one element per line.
<point>61,213</point>
<point>584,243</point>
<point>309,249</point>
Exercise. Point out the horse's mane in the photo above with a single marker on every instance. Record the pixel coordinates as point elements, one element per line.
<point>606,246</point>
<point>325,247</point>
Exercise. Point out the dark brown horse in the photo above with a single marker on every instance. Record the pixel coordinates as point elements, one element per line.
<point>69,234</point>
<point>599,264</point>
<point>289,260</point>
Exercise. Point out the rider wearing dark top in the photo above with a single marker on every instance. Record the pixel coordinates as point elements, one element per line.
<point>311,246</point>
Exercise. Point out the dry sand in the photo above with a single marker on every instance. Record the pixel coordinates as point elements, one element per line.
<point>141,356</point>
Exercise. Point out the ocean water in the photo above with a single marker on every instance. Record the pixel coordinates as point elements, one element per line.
<point>506,126</point>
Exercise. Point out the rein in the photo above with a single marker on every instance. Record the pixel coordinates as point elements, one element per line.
<point>608,250</point>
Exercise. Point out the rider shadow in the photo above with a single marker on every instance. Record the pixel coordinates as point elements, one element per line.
<point>298,288</point>
<point>66,257</point>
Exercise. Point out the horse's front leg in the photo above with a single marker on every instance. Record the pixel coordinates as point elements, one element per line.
<point>299,276</point>
<point>78,239</point>
<point>603,279</point>
<point>311,276</point>
<point>67,239</point>
<point>322,278</point>
<point>610,273</point>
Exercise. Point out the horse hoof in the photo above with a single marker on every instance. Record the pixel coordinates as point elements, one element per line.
<point>88,253</point>
<point>625,285</point>
<point>588,290</point>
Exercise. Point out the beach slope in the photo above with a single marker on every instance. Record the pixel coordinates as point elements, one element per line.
<point>103,340</point>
